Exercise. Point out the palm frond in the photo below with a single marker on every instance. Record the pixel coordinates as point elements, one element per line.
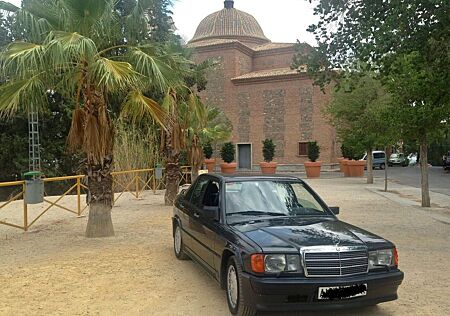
<point>137,106</point>
<point>114,75</point>
<point>158,74</point>
<point>35,26</point>
<point>21,58</point>
<point>6,6</point>
<point>68,47</point>
<point>49,11</point>
<point>18,96</point>
<point>76,132</point>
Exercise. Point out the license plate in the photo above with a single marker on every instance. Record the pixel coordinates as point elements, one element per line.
<point>342,292</point>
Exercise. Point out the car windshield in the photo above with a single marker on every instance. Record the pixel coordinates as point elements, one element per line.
<point>394,156</point>
<point>271,198</point>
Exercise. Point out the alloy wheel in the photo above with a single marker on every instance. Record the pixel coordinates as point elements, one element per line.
<point>232,286</point>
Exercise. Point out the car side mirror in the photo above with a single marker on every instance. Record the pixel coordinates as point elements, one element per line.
<point>335,210</point>
<point>211,212</point>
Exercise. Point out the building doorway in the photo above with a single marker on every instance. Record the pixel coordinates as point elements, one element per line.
<point>244,156</point>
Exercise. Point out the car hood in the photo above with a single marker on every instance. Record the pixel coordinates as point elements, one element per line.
<point>294,233</point>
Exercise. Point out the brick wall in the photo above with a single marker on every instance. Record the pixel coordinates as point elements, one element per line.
<point>287,111</point>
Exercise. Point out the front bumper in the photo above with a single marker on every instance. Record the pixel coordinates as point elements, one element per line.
<point>284,294</point>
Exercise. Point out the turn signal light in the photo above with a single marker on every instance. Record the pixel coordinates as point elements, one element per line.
<point>395,257</point>
<point>257,262</point>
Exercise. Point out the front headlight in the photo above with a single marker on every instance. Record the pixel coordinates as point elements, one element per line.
<point>275,263</point>
<point>382,258</point>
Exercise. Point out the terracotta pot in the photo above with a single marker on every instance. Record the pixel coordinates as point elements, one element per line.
<point>341,165</point>
<point>344,165</point>
<point>210,164</point>
<point>313,169</point>
<point>268,167</point>
<point>228,168</point>
<point>356,168</point>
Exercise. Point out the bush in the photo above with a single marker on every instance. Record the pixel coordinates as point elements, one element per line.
<point>227,153</point>
<point>346,151</point>
<point>268,150</point>
<point>208,150</point>
<point>313,151</point>
<point>352,149</point>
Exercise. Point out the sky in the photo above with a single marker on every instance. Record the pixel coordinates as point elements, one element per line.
<point>282,21</point>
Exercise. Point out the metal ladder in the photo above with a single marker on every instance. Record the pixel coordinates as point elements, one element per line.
<point>33,140</point>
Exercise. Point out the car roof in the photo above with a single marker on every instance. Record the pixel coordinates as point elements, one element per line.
<point>252,176</point>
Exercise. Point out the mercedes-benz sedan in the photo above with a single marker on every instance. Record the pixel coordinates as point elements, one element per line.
<point>273,244</point>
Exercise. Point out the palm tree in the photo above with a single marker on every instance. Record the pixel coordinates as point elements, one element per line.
<point>87,52</point>
<point>206,124</point>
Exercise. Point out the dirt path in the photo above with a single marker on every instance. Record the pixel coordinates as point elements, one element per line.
<point>54,270</point>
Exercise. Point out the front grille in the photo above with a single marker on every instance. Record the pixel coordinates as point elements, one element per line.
<point>336,262</point>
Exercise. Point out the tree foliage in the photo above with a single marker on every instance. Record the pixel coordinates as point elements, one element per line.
<point>407,43</point>
<point>88,52</point>
<point>360,110</point>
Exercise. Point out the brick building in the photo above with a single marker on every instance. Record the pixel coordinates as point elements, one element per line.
<point>256,88</point>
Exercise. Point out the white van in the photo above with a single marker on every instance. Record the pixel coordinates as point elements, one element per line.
<point>378,159</point>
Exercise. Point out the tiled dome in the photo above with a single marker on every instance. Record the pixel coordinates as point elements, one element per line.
<point>231,24</point>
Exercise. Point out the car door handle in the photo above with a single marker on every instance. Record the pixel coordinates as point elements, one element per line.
<point>196,215</point>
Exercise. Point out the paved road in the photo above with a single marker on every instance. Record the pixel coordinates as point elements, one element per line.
<point>438,178</point>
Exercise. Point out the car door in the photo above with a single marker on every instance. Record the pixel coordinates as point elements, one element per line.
<point>203,227</point>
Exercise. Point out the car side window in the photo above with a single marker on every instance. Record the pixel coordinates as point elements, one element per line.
<point>197,192</point>
<point>211,196</point>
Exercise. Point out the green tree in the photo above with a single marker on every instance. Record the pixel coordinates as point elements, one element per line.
<point>360,112</point>
<point>72,49</point>
<point>407,43</point>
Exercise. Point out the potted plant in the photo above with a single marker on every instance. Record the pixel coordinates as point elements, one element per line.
<point>268,166</point>
<point>346,153</point>
<point>313,166</point>
<point>227,153</point>
<point>209,161</point>
<point>355,166</point>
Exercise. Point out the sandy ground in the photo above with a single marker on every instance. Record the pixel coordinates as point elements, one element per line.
<point>54,270</point>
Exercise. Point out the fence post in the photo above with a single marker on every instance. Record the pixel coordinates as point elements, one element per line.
<point>79,196</point>
<point>137,184</point>
<point>25,209</point>
<point>154,181</point>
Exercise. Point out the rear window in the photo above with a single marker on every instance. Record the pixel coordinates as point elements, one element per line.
<point>378,155</point>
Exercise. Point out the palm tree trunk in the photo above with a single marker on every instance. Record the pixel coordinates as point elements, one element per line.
<point>369,166</point>
<point>424,172</point>
<point>172,180</point>
<point>194,174</point>
<point>101,198</point>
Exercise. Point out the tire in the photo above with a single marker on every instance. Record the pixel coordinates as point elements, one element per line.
<point>382,166</point>
<point>178,247</point>
<point>233,287</point>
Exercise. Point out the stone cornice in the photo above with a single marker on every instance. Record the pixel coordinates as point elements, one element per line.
<point>243,48</point>
<point>269,78</point>
<point>221,46</point>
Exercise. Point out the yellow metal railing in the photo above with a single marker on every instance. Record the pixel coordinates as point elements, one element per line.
<point>131,181</point>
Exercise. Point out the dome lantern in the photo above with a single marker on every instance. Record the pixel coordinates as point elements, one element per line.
<point>229,4</point>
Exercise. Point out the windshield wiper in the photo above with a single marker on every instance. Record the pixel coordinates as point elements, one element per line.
<point>257,213</point>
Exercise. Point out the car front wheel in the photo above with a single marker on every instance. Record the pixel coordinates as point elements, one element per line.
<point>235,299</point>
<point>178,246</point>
